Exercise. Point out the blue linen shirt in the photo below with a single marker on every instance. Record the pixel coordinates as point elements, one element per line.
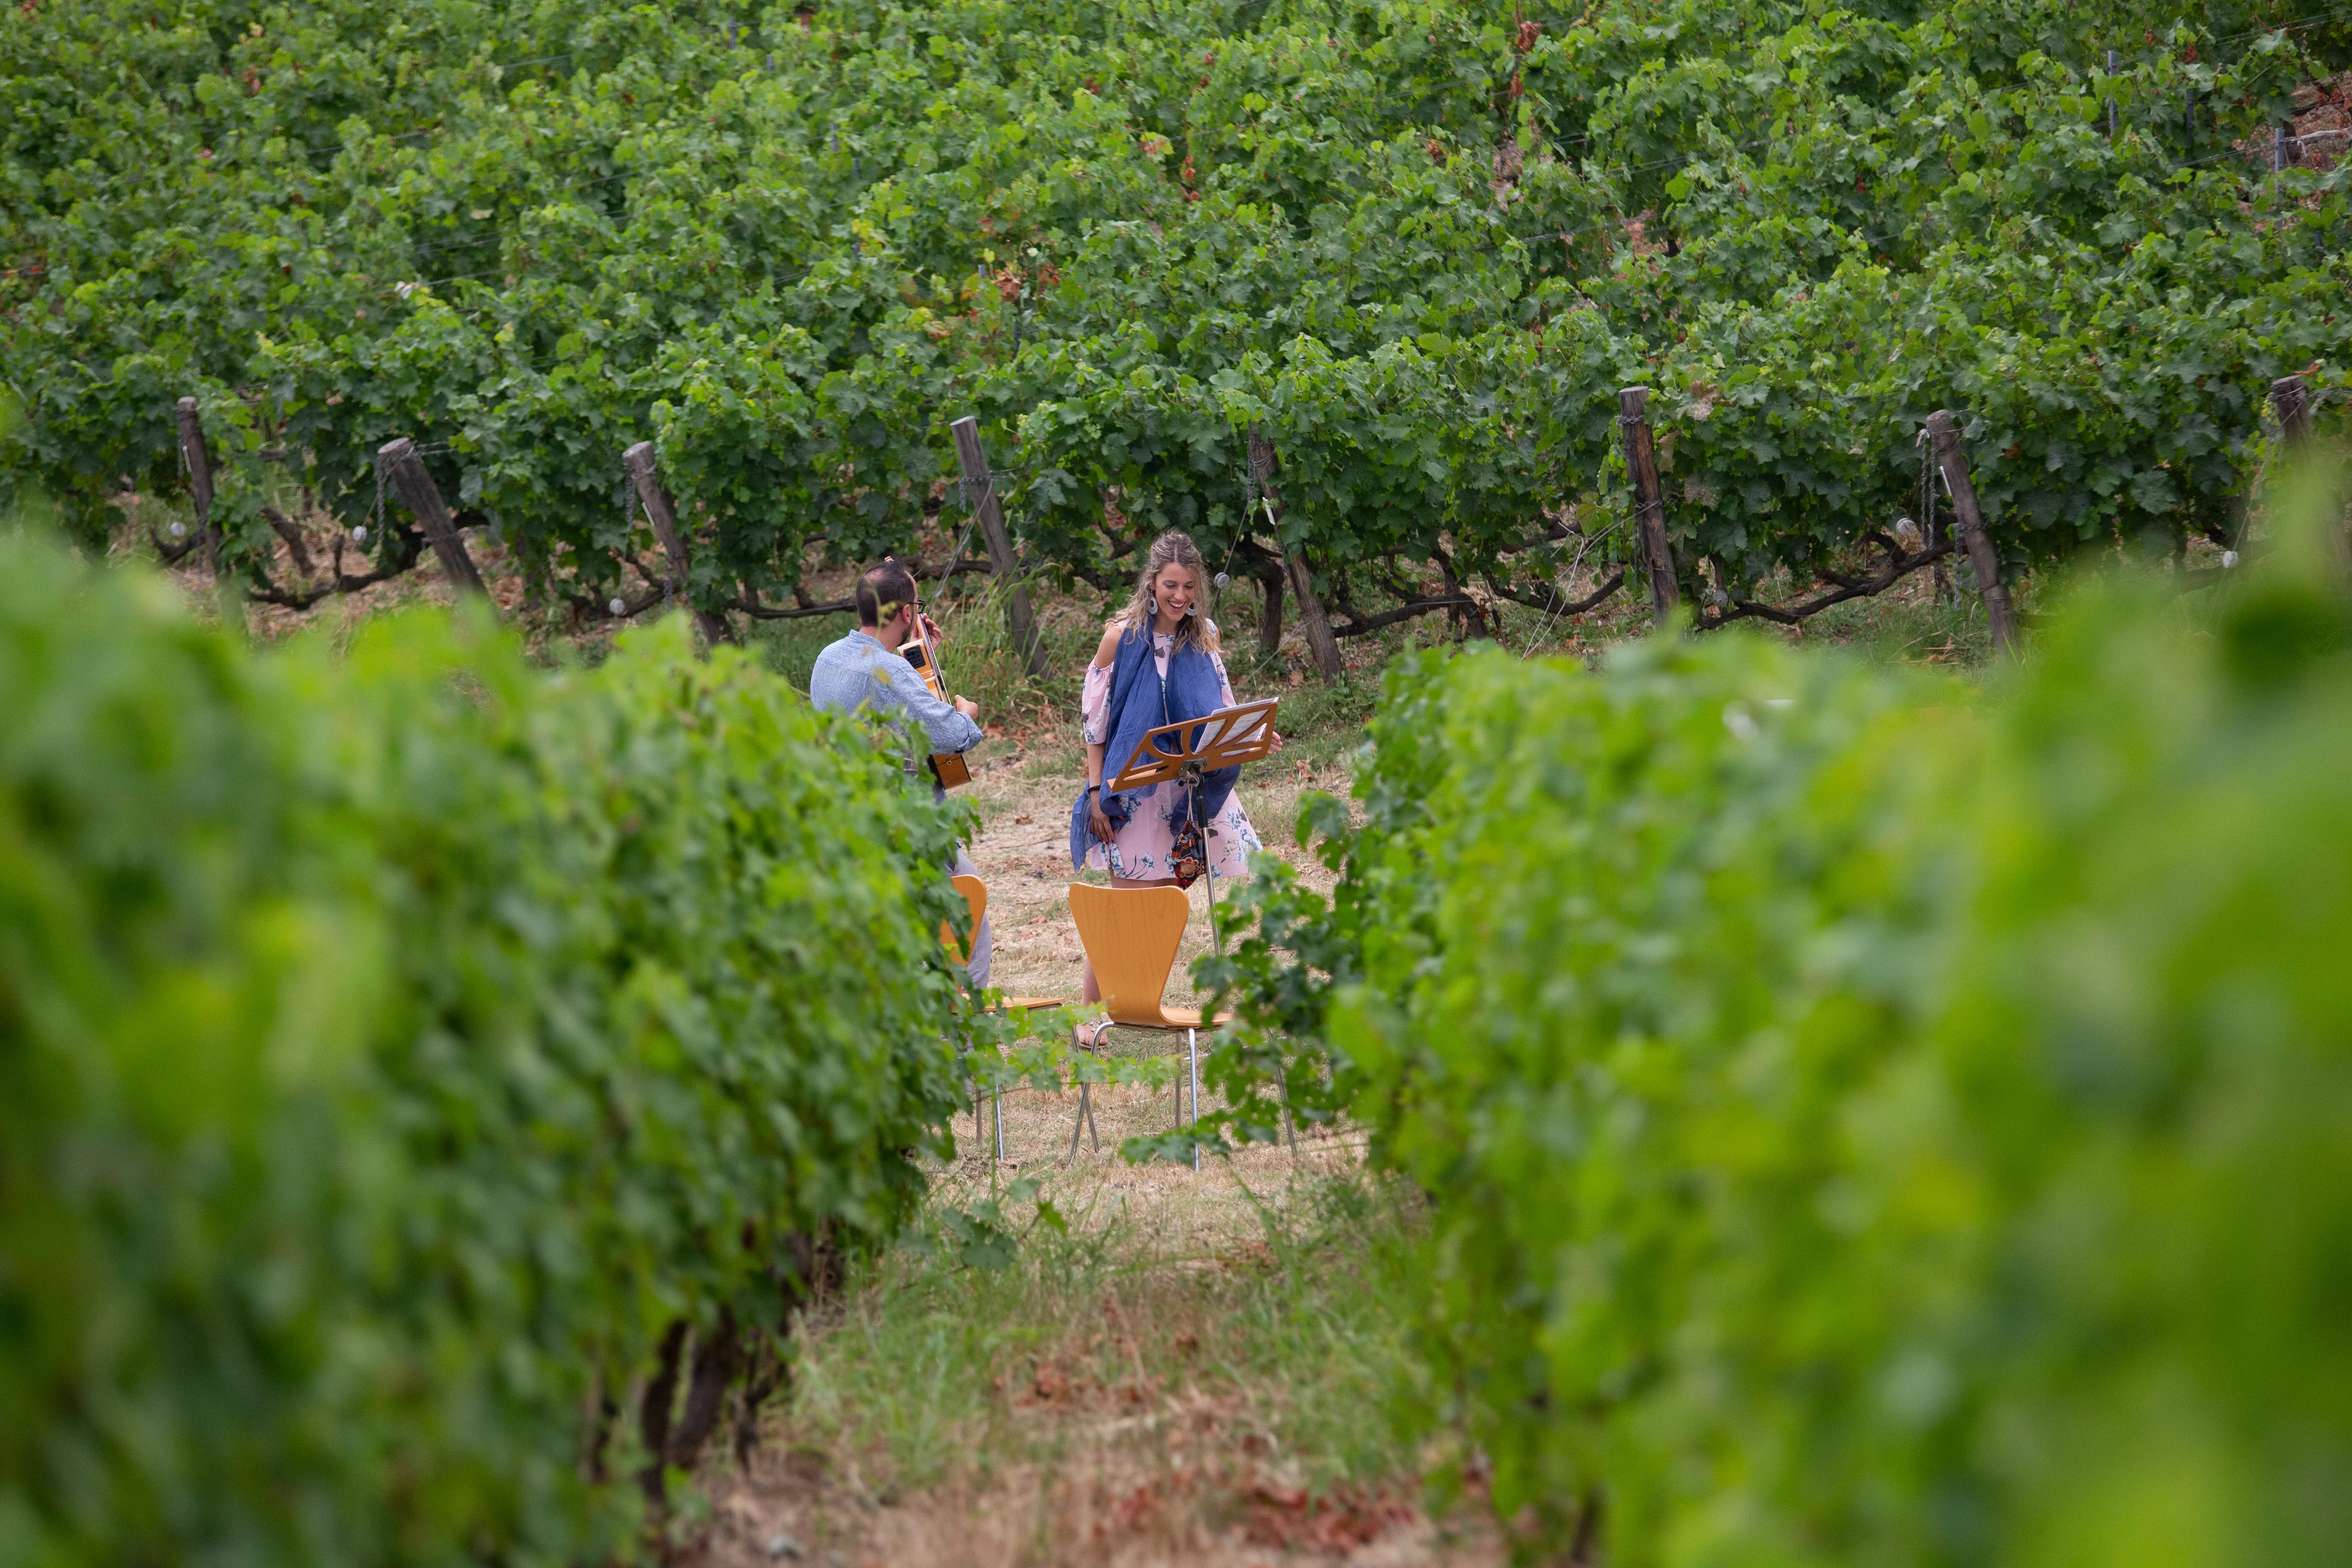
<point>857,672</point>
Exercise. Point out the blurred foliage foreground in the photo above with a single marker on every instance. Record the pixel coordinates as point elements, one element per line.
<point>1867,1121</point>
<point>402,1050</point>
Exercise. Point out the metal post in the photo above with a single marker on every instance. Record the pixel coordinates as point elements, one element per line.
<point>1208,861</point>
<point>1191,1037</point>
<point>971,1088</point>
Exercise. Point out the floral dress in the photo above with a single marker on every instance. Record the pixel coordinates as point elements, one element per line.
<point>1140,850</point>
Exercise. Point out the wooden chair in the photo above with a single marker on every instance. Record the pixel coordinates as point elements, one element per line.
<point>975,898</point>
<point>1131,936</point>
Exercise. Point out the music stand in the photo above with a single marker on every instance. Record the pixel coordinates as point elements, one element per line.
<point>1179,753</point>
<point>1183,751</point>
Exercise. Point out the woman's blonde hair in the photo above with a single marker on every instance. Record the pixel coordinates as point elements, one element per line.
<point>1173,548</point>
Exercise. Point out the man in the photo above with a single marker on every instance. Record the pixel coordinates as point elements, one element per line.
<point>864,670</point>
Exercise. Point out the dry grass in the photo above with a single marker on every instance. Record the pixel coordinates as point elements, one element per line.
<point>1200,1371</point>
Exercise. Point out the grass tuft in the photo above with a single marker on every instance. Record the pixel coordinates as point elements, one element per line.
<point>930,1374</point>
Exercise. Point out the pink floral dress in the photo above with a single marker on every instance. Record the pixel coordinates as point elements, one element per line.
<point>1140,850</point>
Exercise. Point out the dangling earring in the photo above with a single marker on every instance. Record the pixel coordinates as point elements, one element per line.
<point>1152,603</point>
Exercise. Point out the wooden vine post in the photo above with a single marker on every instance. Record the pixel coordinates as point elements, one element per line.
<point>2293,406</point>
<point>639,461</point>
<point>1649,501</point>
<point>1311,619</point>
<point>979,489</point>
<point>1952,458</point>
<point>418,493</point>
<point>200,478</point>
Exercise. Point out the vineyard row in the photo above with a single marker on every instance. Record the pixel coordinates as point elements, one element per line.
<point>401,468</point>
<point>1418,253</point>
<point>1865,1117</point>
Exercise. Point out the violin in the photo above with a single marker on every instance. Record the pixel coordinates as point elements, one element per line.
<point>949,767</point>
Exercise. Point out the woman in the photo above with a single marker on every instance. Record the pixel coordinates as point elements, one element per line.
<point>1158,663</point>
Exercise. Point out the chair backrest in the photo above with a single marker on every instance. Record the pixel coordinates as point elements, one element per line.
<point>1130,935</point>
<point>975,894</point>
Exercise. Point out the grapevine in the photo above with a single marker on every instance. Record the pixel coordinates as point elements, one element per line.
<point>1417,250</point>
<point>1830,1084</point>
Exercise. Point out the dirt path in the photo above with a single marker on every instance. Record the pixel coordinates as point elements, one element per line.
<point>1067,1465</point>
<point>1115,1510</point>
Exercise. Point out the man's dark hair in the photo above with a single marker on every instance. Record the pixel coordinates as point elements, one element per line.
<point>883,591</point>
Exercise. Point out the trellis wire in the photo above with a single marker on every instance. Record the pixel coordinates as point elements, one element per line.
<point>1552,615</point>
<point>629,506</point>
<point>375,516</point>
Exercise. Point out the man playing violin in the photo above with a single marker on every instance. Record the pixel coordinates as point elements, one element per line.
<point>864,670</point>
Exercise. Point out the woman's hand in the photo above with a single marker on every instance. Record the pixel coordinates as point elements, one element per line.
<point>1278,739</point>
<point>1097,822</point>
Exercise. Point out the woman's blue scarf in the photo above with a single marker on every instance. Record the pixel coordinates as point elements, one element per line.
<point>1141,700</point>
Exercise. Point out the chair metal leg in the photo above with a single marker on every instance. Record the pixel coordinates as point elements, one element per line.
<point>1192,1060</point>
<point>1086,1117</point>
